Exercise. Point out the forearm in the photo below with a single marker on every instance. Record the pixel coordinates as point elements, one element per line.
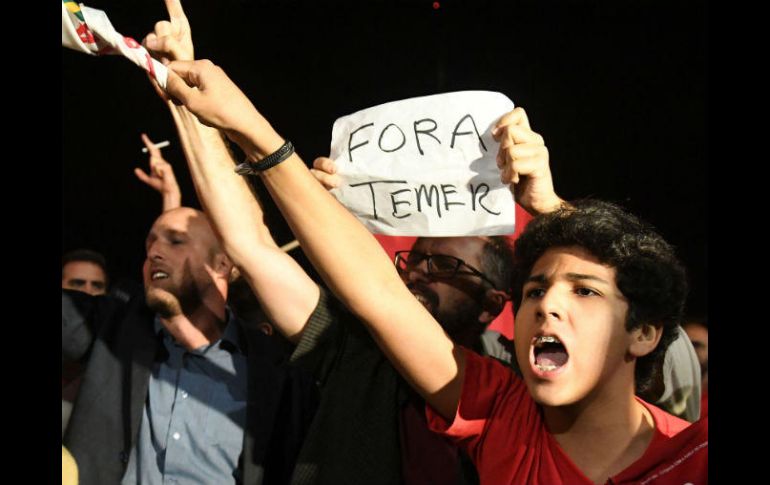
<point>286,294</point>
<point>347,256</point>
<point>171,200</point>
<point>358,271</point>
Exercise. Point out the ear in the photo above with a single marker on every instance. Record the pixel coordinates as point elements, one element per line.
<point>222,265</point>
<point>235,273</point>
<point>644,339</point>
<point>494,302</point>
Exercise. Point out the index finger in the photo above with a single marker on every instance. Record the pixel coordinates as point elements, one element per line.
<point>516,117</point>
<point>151,149</point>
<point>175,10</point>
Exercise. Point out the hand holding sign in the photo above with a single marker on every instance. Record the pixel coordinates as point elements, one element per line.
<point>523,162</point>
<point>325,171</point>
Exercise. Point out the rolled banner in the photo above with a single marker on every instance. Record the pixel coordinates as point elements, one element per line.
<point>88,30</point>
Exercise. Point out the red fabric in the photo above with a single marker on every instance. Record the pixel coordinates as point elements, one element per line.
<point>704,404</point>
<point>504,322</point>
<point>502,429</point>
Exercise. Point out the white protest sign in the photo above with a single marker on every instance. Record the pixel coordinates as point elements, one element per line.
<point>425,166</point>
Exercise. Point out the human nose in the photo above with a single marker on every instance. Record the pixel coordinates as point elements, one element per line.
<point>550,305</point>
<point>417,271</point>
<point>154,252</point>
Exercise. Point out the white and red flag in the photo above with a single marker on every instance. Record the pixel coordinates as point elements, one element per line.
<point>88,30</point>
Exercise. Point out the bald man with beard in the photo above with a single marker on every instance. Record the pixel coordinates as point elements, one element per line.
<point>175,386</point>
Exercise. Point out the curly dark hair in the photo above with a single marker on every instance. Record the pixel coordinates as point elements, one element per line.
<point>648,272</point>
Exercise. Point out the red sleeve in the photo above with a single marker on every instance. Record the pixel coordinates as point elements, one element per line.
<point>490,391</point>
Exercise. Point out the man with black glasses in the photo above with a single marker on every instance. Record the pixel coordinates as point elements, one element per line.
<point>464,283</point>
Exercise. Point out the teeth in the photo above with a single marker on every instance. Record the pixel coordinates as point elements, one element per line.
<point>546,367</point>
<point>546,339</point>
<point>159,275</point>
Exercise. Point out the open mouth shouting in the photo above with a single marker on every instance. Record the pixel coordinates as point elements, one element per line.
<point>426,297</point>
<point>158,275</point>
<point>548,355</point>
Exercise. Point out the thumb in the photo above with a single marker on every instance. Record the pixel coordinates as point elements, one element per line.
<point>177,88</point>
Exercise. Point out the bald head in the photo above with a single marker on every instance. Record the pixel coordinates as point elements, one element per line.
<point>192,221</point>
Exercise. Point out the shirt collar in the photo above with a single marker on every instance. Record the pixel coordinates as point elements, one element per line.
<point>231,339</point>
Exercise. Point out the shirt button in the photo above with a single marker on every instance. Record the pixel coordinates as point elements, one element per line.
<point>184,394</point>
<point>176,436</point>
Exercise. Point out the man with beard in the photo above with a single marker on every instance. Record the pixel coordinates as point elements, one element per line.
<point>175,388</point>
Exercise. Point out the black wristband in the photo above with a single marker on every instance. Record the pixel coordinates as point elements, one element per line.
<point>270,161</point>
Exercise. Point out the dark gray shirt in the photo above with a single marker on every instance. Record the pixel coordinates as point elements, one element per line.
<point>193,420</point>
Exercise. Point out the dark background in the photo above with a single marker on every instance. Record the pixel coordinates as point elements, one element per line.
<point>618,90</point>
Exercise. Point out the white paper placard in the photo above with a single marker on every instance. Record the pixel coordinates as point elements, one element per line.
<point>425,166</point>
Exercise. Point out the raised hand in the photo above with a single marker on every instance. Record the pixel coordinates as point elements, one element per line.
<point>161,177</point>
<point>171,40</point>
<point>523,162</point>
<point>325,171</point>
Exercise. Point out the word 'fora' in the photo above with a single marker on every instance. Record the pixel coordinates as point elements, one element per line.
<point>392,137</point>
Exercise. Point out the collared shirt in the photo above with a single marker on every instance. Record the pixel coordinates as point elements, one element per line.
<point>193,420</point>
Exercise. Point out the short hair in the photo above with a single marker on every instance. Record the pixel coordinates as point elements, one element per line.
<point>87,255</point>
<point>648,272</point>
<point>497,262</point>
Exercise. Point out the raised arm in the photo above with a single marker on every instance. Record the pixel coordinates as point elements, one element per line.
<point>160,177</point>
<point>349,258</point>
<point>285,292</point>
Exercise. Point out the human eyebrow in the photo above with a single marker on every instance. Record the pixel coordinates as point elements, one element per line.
<point>580,277</point>
<point>174,234</point>
<point>538,278</point>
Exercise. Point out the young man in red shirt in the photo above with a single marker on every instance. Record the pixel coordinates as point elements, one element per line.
<point>601,294</point>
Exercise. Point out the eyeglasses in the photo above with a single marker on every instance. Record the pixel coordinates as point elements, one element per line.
<point>439,265</point>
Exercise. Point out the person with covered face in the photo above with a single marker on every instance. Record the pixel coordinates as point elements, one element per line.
<point>598,295</point>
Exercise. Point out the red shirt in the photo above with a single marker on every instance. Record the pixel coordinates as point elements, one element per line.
<point>503,431</point>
